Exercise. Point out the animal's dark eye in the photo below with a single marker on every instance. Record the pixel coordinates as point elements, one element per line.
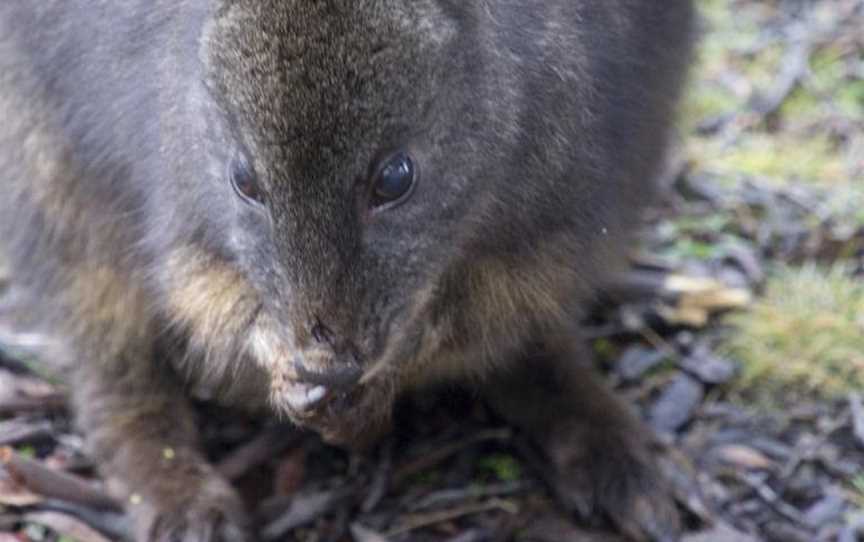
<point>244,180</point>
<point>394,180</point>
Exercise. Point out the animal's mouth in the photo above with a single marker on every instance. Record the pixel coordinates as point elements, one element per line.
<point>338,378</point>
<point>301,398</point>
<point>318,386</point>
<point>307,393</point>
<point>336,405</point>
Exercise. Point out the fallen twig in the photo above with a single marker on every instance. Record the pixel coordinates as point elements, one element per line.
<point>303,509</point>
<point>16,431</point>
<point>441,453</point>
<point>794,66</point>
<point>418,521</point>
<point>807,453</point>
<point>857,408</point>
<point>453,496</point>
<point>22,405</point>
<point>54,484</point>
<point>771,498</point>
<point>66,525</point>
<point>364,534</point>
<point>381,480</point>
<point>264,447</point>
<point>113,524</point>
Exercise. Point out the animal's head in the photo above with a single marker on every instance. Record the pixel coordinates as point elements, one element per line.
<point>326,177</point>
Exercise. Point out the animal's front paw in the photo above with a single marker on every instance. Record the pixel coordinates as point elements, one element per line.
<point>206,511</point>
<point>623,475</point>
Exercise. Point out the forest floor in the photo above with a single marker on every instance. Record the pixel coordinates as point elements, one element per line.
<point>739,334</point>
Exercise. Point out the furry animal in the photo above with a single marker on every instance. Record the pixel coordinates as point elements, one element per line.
<point>311,206</point>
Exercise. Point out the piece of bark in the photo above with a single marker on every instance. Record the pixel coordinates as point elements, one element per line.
<point>304,508</point>
<point>365,534</point>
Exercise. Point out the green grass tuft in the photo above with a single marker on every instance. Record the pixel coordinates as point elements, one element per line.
<point>805,335</point>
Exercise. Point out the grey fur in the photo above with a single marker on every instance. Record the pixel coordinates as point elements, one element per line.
<point>536,127</point>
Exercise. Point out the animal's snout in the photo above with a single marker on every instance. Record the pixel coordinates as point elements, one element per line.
<point>323,379</point>
<point>341,377</point>
<point>333,362</point>
<point>324,366</point>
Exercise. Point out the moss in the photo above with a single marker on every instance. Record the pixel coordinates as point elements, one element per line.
<point>706,100</point>
<point>28,452</point>
<point>801,104</point>
<point>805,335</point>
<point>829,84</point>
<point>781,158</point>
<point>856,490</point>
<point>684,249</point>
<point>604,350</point>
<point>850,98</point>
<point>701,237</point>
<point>843,205</point>
<point>504,467</point>
<point>707,96</point>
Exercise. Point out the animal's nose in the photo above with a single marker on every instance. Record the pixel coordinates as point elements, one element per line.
<point>330,368</point>
<point>339,377</point>
<point>340,343</point>
<point>314,388</point>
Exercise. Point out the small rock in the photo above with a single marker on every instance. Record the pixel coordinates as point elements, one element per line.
<point>676,404</point>
<point>698,187</point>
<point>708,367</point>
<point>830,508</point>
<point>636,361</point>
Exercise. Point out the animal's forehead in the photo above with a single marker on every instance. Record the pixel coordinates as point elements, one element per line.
<point>320,75</point>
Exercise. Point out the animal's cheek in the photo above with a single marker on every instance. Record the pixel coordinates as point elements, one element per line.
<point>208,298</point>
